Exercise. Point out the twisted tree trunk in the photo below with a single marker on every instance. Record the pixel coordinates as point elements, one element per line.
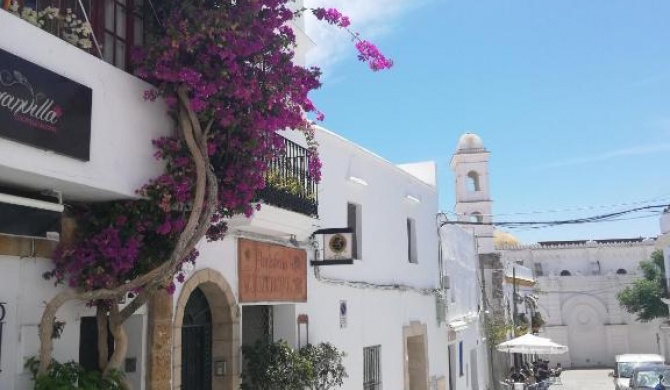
<point>204,203</point>
<point>101,322</point>
<point>120,341</point>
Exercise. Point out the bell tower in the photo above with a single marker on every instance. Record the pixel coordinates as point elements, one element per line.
<point>470,164</point>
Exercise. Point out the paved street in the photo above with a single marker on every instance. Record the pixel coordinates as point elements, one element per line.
<point>585,380</point>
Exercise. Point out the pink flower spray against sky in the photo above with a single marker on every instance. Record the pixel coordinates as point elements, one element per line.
<point>367,51</point>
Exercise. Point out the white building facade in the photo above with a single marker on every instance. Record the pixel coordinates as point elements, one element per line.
<point>385,311</point>
<point>468,355</point>
<point>116,118</point>
<point>663,244</point>
<point>577,285</point>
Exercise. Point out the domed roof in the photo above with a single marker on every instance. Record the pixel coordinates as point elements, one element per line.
<point>469,141</point>
<point>504,240</point>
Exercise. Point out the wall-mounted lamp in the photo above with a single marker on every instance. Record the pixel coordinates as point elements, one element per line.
<point>303,322</point>
<point>358,180</point>
<point>220,368</point>
<point>413,198</point>
<point>2,318</point>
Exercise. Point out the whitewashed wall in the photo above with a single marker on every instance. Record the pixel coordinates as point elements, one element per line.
<point>377,316</point>
<point>24,294</point>
<point>583,259</point>
<point>122,126</point>
<point>121,160</point>
<point>461,263</point>
<point>581,310</point>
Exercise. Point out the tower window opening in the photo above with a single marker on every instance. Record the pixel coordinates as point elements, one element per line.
<point>476,217</point>
<point>565,272</point>
<point>473,181</point>
<point>621,271</point>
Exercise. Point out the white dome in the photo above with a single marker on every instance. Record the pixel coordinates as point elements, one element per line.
<point>470,141</point>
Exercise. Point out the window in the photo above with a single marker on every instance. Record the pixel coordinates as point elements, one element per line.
<point>119,26</point>
<point>621,271</point>
<point>354,221</point>
<point>476,217</point>
<point>460,358</point>
<point>538,269</point>
<point>565,272</point>
<point>473,181</point>
<point>411,241</point>
<point>372,370</point>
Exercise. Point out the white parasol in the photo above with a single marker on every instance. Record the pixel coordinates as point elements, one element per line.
<point>530,344</point>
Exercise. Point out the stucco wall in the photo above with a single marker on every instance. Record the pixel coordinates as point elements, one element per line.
<point>122,124</point>
<point>24,294</point>
<point>581,310</point>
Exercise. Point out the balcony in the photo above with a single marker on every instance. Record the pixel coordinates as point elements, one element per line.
<point>289,200</point>
<point>288,184</point>
<point>108,30</point>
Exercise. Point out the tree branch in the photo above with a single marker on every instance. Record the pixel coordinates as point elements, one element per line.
<point>193,232</point>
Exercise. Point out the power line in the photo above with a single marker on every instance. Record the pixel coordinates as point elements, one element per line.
<point>518,228</point>
<point>657,209</point>
<point>570,209</point>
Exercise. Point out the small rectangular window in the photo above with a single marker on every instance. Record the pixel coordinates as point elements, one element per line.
<point>538,269</point>
<point>411,241</point>
<point>372,370</point>
<point>354,221</point>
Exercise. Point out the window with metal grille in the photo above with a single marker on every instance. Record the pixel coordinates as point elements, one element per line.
<point>256,323</point>
<point>372,369</point>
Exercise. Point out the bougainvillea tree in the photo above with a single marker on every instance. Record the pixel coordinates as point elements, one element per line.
<point>227,74</point>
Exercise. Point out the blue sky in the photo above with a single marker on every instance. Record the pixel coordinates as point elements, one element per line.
<point>571,97</point>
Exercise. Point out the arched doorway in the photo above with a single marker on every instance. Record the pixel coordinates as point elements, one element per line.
<point>196,337</point>
<point>205,294</point>
<point>585,317</point>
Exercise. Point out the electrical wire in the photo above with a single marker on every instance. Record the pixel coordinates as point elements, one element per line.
<point>661,198</point>
<point>377,286</point>
<point>542,224</point>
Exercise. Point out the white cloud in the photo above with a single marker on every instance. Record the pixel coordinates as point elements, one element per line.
<point>371,18</point>
<point>612,154</point>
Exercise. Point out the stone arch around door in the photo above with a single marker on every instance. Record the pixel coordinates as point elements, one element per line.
<point>585,317</point>
<point>225,328</point>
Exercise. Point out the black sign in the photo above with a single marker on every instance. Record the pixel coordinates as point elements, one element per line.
<point>43,109</point>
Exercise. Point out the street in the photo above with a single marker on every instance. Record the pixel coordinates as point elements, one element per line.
<point>585,380</point>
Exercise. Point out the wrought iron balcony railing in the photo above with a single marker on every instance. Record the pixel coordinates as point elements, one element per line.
<point>288,184</point>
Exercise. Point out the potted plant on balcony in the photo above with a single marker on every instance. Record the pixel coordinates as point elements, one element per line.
<point>64,24</point>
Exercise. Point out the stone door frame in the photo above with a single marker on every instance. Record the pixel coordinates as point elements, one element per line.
<point>225,327</point>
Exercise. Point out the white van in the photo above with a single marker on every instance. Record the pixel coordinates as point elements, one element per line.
<point>625,364</point>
